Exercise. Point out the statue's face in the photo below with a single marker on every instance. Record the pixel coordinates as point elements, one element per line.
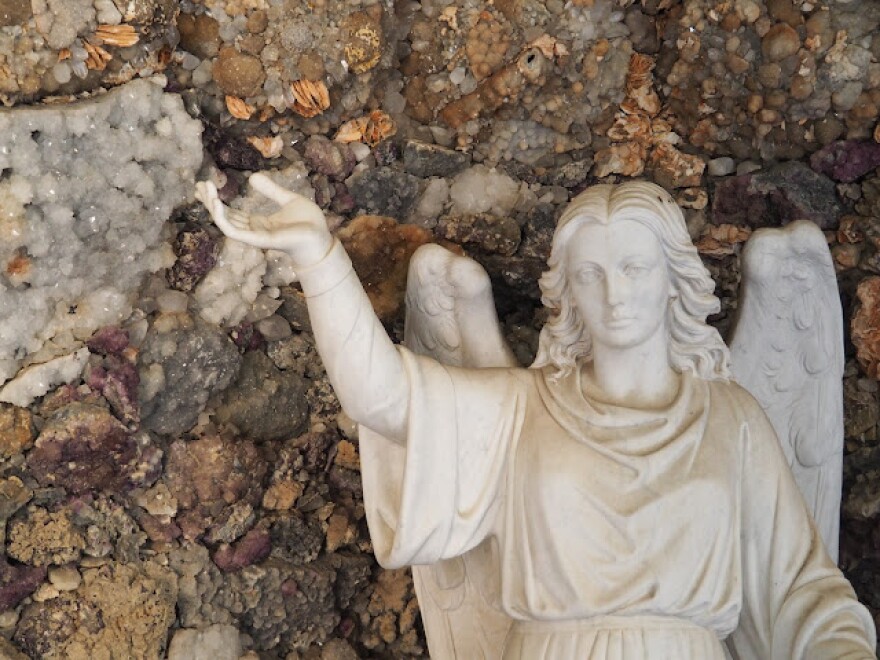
<point>617,274</point>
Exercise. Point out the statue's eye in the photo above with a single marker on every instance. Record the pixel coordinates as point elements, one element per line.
<point>588,275</point>
<point>636,270</point>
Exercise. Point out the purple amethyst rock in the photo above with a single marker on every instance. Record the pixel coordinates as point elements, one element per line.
<point>17,582</point>
<point>197,251</point>
<point>117,381</point>
<point>252,548</point>
<point>231,151</point>
<point>84,448</point>
<point>333,159</point>
<point>847,160</point>
<point>343,202</point>
<point>784,193</point>
<point>111,340</point>
<point>246,336</point>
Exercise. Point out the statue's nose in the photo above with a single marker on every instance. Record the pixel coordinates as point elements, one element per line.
<point>615,289</point>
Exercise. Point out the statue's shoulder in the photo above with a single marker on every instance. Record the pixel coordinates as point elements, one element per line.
<point>734,396</point>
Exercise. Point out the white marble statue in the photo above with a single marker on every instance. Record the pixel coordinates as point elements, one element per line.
<point>619,499</point>
<point>787,351</point>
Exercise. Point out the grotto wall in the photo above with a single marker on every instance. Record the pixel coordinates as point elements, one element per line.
<point>176,476</point>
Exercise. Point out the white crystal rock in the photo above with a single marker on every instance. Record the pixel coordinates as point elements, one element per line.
<point>36,380</point>
<point>85,190</point>
<point>217,642</point>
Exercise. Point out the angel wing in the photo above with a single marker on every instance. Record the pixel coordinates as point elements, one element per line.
<point>450,316</point>
<point>787,350</point>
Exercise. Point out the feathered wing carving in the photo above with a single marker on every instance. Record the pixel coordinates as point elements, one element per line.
<point>450,316</point>
<point>787,350</point>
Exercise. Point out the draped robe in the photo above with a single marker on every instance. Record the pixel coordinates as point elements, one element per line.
<point>675,532</point>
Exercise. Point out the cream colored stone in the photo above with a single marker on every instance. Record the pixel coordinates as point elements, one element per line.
<point>64,578</point>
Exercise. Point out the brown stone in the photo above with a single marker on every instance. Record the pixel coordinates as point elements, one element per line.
<point>846,256</point>
<point>252,44</point>
<point>780,42</point>
<point>281,496</point>
<point>784,10</point>
<point>865,108</point>
<point>347,456</point>
<point>801,88</point>
<point>364,40</point>
<point>238,74</point>
<point>866,325</point>
<point>257,21</point>
<point>311,66</point>
<point>736,64</point>
<point>15,12</point>
<point>42,538</point>
<point>16,430</point>
<point>339,532</point>
<point>731,22</point>
<point>769,75</point>
<point>200,35</point>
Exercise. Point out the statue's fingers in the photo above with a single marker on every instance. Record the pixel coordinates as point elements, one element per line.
<point>218,213</point>
<point>201,193</point>
<point>206,193</point>
<point>238,219</point>
<point>265,186</point>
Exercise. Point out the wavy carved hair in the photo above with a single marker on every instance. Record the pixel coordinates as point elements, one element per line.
<point>693,344</point>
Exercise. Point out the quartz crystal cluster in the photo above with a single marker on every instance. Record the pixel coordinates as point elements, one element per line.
<point>85,191</point>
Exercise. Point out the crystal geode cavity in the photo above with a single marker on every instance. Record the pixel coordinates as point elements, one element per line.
<point>85,189</point>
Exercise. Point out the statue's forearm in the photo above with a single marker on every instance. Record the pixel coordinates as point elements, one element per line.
<point>362,363</point>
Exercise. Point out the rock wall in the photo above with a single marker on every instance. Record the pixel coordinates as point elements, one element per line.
<point>176,475</point>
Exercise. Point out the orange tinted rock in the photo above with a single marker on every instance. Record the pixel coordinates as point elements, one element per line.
<point>238,74</point>
<point>380,250</point>
<point>16,430</point>
<point>866,325</point>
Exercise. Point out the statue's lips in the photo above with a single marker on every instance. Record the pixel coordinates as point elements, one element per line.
<point>620,322</point>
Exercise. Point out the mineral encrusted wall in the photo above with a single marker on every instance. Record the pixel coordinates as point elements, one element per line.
<point>176,476</point>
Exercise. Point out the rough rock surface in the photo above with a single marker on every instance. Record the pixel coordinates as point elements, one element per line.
<point>189,366</point>
<point>384,191</point>
<point>119,610</point>
<point>84,448</point>
<point>265,403</point>
<point>41,538</point>
<point>380,250</point>
<point>209,477</point>
<point>787,192</point>
<point>866,325</point>
<point>16,429</point>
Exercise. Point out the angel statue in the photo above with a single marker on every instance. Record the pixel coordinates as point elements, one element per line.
<point>620,498</point>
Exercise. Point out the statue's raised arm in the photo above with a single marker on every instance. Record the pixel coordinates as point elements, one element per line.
<point>364,367</point>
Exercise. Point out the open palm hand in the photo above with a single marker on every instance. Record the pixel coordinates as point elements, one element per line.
<point>298,227</point>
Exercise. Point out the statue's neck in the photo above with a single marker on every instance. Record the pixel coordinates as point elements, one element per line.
<point>638,377</point>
